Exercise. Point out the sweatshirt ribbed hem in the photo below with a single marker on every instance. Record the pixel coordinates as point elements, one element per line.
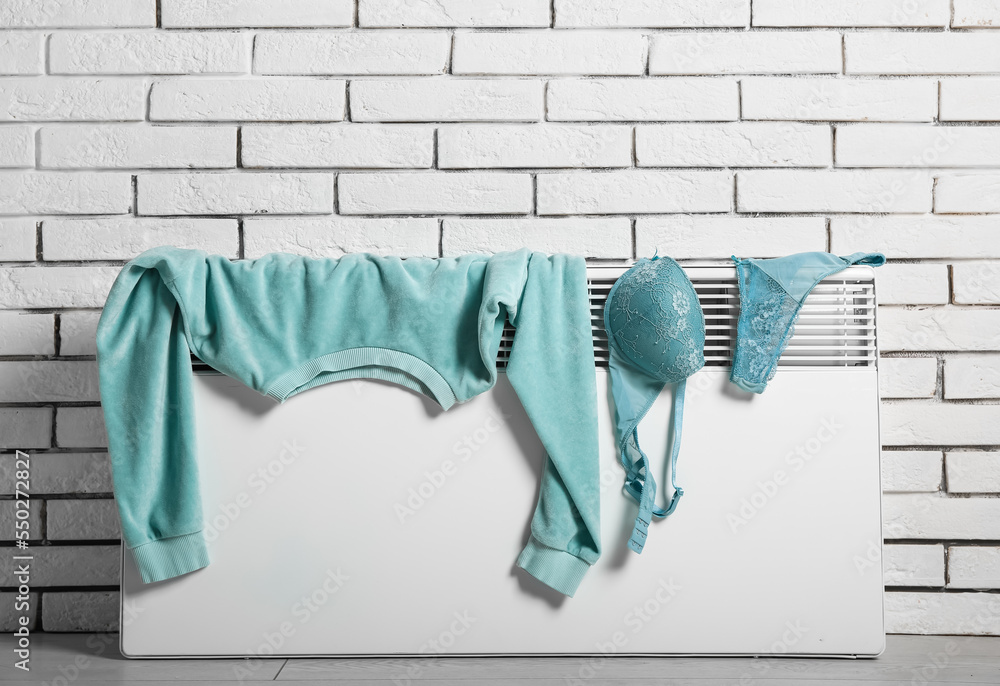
<point>365,363</point>
<point>555,568</point>
<point>170,557</point>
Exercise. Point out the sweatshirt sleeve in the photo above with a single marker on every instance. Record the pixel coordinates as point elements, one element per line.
<point>551,368</point>
<point>144,365</point>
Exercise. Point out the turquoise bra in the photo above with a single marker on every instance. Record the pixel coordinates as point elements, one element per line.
<point>656,336</point>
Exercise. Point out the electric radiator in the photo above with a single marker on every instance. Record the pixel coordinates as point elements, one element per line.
<point>359,519</point>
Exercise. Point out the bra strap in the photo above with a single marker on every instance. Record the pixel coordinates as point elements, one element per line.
<point>639,482</point>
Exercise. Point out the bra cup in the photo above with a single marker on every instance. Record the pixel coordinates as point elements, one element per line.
<point>655,322</point>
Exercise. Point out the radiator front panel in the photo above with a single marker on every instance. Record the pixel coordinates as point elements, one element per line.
<point>359,519</point>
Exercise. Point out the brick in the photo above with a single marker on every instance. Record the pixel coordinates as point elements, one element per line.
<point>833,99</point>
<point>26,334</point>
<point>757,144</point>
<point>61,473</point>
<point>22,428</point>
<point>82,520</point>
<point>17,240</point>
<point>534,145</point>
<point>967,193</point>
<point>648,99</point>
<point>922,53</point>
<point>352,52</point>
<point>81,611</point>
<point>370,146</point>
<point>30,287</point>
<point>942,613</point>
<point>813,52</point>
<point>11,612</point>
<point>916,145</point>
<point>973,567</point>
<point>58,98</point>
<point>652,13</point>
<point>590,237</point>
<point>248,100</point>
<point>972,376</point>
<point>336,236</point>
<point>256,13</point>
<point>976,283</point>
<point>694,236</point>
<point>39,381</point>
<point>77,13</point>
<point>851,13</point>
<point>550,52</point>
<point>976,14</point>
<point>970,99</point>
<point>131,146</point>
<point>973,472</point>
<point>911,471</point>
<point>21,52</point>
<point>908,377</point>
<point>915,237</point>
<point>235,193</point>
<point>453,13</point>
<point>64,193</point>
<point>870,190</point>
<point>916,422</point>
<point>912,284</point>
<point>82,565</point>
<point>81,427</point>
<point>446,99</point>
<point>635,192</point>
<point>17,146</point>
<point>435,193</point>
<point>144,52</point>
<point>78,333</point>
<point>939,328</point>
<point>8,517</point>
<point>913,565</point>
<point>125,238</point>
<point>911,515</point>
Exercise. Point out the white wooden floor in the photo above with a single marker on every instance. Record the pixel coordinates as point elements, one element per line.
<point>63,659</point>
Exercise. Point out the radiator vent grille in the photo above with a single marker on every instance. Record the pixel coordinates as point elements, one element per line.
<point>835,328</point>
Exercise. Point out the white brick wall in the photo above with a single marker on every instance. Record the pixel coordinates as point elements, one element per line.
<point>974,567</point>
<point>21,53</point>
<point>815,52</point>
<point>78,146</point>
<point>973,472</point>
<point>970,99</point>
<point>675,99</point>
<point>540,145</point>
<point>247,100</point>
<point>977,14</point>
<point>141,52</point>
<point>836,99</point>
<point>652,13</point>
<point>696,128</point>
<point>911,471</point>
<point>453,13</point>
<point>350,52</point>
<point>913,565</point>
<point>851,13</point>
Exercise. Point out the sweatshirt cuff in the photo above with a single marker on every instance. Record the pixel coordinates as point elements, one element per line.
<point>170,557</point>
<point>556,568</point>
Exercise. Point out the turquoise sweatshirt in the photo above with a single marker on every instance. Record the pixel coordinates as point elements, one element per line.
<point>282,324</point>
